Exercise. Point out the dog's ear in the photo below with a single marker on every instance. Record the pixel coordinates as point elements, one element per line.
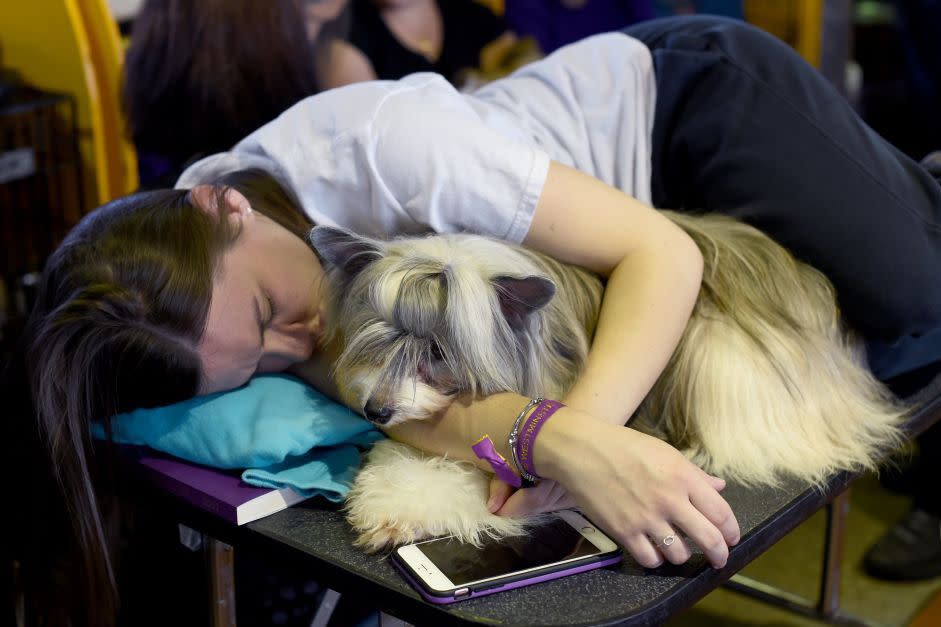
<point>521,296</point>
<point>342,250</point>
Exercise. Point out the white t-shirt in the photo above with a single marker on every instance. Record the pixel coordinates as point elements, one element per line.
<point>415,155</point>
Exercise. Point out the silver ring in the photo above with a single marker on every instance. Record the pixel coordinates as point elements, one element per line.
<point>668,540</point>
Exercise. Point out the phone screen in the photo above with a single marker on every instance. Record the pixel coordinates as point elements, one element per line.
<point>546,544</point>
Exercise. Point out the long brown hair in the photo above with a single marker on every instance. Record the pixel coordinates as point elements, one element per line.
<point>121,309</point>
<point>201,75</point>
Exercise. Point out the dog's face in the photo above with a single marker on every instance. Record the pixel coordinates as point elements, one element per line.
<point>423,320</point>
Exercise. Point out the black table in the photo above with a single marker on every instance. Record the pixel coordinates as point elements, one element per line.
<point>317,535</point>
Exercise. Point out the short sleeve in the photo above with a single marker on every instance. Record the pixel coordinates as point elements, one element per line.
<point>448,169</point>
<point>209,169</point>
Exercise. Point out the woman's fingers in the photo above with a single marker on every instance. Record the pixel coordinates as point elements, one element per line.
<point>650,550</point>
<point>499,493</point>
<point>559,498</point>
<point>704,534</point>
<point>671,545</point>
<point>717,483</point>
<point>716,510</point>
<point>643,551</point>
<point>641,491</point>
<point>523,502</point>
<point>545,496</point>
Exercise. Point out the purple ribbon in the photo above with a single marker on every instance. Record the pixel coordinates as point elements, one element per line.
<point>484,449</point>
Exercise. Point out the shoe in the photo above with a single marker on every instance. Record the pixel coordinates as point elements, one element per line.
<point>909,551</point>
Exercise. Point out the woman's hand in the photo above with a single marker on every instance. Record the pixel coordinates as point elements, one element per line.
<point>637,488</point>
<point>545,496</point>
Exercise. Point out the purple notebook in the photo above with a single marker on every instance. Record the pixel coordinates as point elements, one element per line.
<point>217,491</point>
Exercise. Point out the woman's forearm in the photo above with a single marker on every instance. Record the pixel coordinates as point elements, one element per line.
<point>624,362</point>
<point>462,424</point>
<point>653,274</point>
<point>653,268</point>
<point>647,303</point>
<point>562,441</point>
<point>568,442</point>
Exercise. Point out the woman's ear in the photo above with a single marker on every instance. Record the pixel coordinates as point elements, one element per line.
<point>206,197</point>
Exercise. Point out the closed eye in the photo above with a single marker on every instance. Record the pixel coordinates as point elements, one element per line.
<point>272,311</point>
<point>264,318</point>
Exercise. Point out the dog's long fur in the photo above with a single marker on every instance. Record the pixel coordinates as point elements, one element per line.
<point>765,383</point>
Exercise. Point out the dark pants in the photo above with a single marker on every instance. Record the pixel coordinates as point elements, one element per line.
<point>745,127</point>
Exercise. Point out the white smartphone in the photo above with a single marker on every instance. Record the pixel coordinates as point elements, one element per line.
<point>444,570</point>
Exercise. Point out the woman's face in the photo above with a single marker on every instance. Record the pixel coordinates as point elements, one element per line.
<point>267,305</point>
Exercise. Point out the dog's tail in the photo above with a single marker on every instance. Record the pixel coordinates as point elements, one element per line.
<point>766,382</point>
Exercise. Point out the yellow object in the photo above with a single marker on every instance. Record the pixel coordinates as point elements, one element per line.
<point>810,32</point>
<point>107,52</point>
<point>72,46</point>
<point>497,6</point>
<point>797,22</point>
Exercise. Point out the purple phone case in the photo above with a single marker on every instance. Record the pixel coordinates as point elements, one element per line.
<point>508,586</point>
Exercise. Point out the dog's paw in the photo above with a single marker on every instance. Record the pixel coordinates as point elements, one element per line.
<point>403,495</point>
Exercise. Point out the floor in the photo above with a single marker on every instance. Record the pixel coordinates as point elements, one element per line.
<point>793,564</point>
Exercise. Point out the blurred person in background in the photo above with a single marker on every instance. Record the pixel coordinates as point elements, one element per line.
<point>462,40</point>
<point>554,23</point>
<point>202,74</point>
<point>903,100</point>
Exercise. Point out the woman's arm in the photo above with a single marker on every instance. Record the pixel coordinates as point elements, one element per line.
<point>654,270</point>
<point>341,63</point>
<point>632,485</point>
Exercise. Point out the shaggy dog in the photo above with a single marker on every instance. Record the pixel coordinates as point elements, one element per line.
<point>765,382</point>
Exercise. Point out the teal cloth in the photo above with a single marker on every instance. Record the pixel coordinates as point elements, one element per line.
<point>283,432</point>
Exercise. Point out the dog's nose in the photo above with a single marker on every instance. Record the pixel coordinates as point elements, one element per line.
<point>379,415</point>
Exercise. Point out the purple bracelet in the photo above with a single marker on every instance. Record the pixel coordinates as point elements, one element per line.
<point>527,436</point>
<point>484,449</point>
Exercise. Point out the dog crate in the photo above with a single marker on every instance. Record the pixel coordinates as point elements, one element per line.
<point>41,195</point>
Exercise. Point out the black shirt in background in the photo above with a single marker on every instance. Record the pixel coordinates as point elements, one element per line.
<point>468,27</point>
